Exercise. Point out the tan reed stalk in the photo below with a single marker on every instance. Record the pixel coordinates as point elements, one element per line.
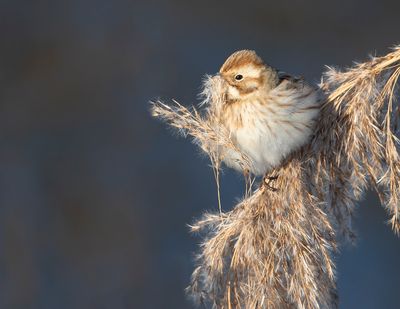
<point>275,248</point>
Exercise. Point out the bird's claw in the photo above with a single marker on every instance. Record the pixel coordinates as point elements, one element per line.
<point>267,182</point>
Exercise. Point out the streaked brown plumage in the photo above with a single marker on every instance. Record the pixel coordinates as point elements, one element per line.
<point>267,115</point>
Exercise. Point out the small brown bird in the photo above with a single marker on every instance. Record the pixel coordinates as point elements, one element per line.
<point>267,114</point>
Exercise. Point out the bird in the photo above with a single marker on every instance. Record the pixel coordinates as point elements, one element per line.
<point>267,113</point>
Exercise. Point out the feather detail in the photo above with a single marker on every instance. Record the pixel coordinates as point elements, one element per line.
<point>268,127</point>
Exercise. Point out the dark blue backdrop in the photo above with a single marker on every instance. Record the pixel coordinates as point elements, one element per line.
<point>95,195</point>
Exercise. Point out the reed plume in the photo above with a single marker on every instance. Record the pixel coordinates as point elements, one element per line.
<point>275,249</point>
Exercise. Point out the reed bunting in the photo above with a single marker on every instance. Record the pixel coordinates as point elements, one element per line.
<point>268,114</point>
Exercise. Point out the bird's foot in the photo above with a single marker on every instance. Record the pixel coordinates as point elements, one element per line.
<point>267,180</point>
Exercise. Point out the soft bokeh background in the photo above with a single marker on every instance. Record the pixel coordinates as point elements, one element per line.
<point>95,195</point>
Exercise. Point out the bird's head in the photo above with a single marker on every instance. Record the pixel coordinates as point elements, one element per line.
<point>245,74</point>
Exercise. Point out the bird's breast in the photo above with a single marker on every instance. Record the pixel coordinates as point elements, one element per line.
<point>266,131</point>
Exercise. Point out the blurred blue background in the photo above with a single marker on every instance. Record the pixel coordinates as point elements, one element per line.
<point>95,195</point>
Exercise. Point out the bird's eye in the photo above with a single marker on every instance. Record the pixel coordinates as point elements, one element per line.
<point>239,77</point>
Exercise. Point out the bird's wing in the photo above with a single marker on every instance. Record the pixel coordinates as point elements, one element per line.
<point>304,92</point>
<point>290,81</point>
<point>285,76</point>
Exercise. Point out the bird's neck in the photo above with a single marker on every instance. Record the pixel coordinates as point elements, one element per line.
<point>270,79</point>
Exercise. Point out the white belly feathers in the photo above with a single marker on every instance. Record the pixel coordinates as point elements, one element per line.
<point>267,130</point>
